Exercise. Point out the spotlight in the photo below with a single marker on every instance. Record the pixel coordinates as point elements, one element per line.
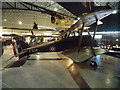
<point>20,22</point>
<point>5,19</point>
<point>55,9</point>
<point>115,11</point>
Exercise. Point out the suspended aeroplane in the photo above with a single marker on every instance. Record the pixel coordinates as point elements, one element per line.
<point>56,20</point>
<point>76,8</point>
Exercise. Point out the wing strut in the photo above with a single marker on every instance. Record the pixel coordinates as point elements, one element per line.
<point>33,40</point>
<point>32,32</point>
<point>80,34</point>
<point>96,27</point>
<point>88,32</point>
<point>95,30</point>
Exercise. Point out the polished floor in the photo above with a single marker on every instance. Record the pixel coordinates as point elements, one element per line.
<point>55,70</point>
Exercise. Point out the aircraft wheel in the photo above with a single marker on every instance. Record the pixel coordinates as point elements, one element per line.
<point>52,48</point>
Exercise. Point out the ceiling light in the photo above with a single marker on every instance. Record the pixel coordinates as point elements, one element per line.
<point>115,11</point>
<point>117,39</point>
<point>97,36</point>
<point>5,19</point>
<point>78,18</point>
<point>20,22</point>
<point>47,34</point>
<point>55,9</point>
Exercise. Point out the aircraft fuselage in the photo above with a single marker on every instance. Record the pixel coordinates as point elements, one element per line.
<point>61,45</point>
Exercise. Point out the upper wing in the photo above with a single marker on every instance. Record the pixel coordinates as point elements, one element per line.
<point>90,19</point>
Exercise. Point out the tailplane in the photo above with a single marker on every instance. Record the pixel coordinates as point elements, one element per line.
<point>18,46</point>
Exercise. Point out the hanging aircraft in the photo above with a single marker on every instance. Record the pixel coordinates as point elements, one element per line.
<point>66,42</point>
<point>57,20</point>
<point>84,9</point>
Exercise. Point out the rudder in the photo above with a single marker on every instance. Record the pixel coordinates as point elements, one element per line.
<point>18,46</point>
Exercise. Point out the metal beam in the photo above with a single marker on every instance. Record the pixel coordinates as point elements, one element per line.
<point>24,9</point>
<point>15,4</point>
<point>10,5</point>
<point>33,7</point>
<point>49,5</point>
<point>47,10</point>
<point>38,7</point>
<point>24,5</point>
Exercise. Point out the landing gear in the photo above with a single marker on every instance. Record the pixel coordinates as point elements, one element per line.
<point>93,64</point>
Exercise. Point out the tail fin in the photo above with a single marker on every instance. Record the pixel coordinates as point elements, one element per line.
<point>18,46</point>
<point>15,51</point>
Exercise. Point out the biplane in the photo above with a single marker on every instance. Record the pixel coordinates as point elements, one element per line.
<point>72,43</point>
<point>66,41</point>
